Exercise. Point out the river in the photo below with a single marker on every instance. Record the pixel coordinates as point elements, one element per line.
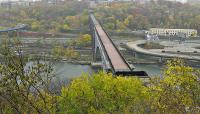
<point>66,71</point>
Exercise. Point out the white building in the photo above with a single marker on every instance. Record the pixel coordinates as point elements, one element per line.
<point>172,32</point>
<point>182,1</point>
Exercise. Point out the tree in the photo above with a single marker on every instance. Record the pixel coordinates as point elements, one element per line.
<point>23,14</point>
<point>24,86</point>
<point>70,53</point>
<point>63,28</point>
<point>109,26</point>
<point>120,26</point>
<point>128,20</point>
<point>73,21</point>
<point>86,38</point>
<point>58,51</point>
<point>83,41</point>
<point>61,52</point>
<point>103,93</point>
<point>178,92</point>
<point>35,25</point>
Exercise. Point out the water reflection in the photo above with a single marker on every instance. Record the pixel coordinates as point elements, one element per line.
<point>65,71</point>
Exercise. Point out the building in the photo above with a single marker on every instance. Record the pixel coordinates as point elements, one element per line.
<point>173,32</point>
<point>181,1</point>
<point>194,1</point>
<point>11,3</point>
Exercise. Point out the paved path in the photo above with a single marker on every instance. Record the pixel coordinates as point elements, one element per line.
<point>134,46</point>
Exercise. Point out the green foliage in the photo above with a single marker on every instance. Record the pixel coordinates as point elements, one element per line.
<point>70,53</point>
<point>178,92</point>
<point>36,25</point>
<point>103,93</point>
<point>109,26</point>
<point>61,52</point>
<point>152,15</point>
<point>2,28</point>
<point>73,21</point>
<point>39,42</point>
<point>128,20</point>
<point>24,87</point>
<point>120,26</point>
<point>63,28</point>
<point>58,51</point>
<point>83,41</point>
<point>152,45</point>
<point>47,18</point>
<point>86,38</point>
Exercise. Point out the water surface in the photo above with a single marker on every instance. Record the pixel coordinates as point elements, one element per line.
<point>66,71</point>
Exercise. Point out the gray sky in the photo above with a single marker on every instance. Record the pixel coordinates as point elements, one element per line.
<point>19,0</point>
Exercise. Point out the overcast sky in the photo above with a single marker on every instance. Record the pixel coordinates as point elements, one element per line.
<point>19,0</point>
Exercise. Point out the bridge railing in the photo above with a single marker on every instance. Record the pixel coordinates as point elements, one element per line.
<point>116,48</point>
<point>112,67</point>
<point>129,72</point>
<point>106,54</point>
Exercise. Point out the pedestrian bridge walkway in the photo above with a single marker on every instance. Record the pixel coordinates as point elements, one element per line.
<point>111,58</point>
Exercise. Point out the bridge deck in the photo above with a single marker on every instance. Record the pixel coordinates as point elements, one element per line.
<point>116,60</point>
<point>13,29</point>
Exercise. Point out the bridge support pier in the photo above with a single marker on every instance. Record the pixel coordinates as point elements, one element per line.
<point>134,54</point>
<point>161,59</point>
<point>96,55</point>
<point>99,54</point>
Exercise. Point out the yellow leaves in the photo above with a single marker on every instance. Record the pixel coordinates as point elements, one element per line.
<point>80,88</point>
<point>73,21</point>
<point>177,67</point>
<point>116,6</point>
<point>58,51</point>
<point>178,88</point>
<point>35,25</point>
<point>86,38</point>
<point>103,93</point>
<point>71,18</point>
<point>128,20</point>
<point>155,88</point>
<point>66,27</point>
<point>120,26</point>
<point>78,94</point>
<point>69,53</point>
<point>84,19</point>
<point>23,14</point>
<point>64,91</point>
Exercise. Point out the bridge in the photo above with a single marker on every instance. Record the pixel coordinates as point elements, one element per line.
<point>104,50</point>
<point>18,27</point>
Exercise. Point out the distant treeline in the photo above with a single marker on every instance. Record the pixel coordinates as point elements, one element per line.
<point>48,18</point>
<point>161,14</point>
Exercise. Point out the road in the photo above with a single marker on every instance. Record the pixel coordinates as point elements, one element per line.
<point>134,46</point>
